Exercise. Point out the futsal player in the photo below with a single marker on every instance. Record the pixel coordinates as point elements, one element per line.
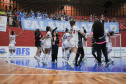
<point>73,41</point>
<point>47,45</point>
<point>65,45</point>
<point>12,38</point>
<point>80,51</point>
<point>93,44</point>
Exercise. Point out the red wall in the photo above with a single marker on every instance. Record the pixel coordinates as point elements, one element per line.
<point>28,39</point>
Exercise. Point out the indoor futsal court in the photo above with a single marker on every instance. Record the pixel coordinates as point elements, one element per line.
<point>62,41</point>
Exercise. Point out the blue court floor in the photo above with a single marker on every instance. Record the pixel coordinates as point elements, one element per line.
<point>119,65</point>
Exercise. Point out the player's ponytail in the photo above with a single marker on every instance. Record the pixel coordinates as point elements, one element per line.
<point>111,33</point>
<point>66,30</point>
<point>12,32</point>
<point>48,28</point>
<point>72,22</point>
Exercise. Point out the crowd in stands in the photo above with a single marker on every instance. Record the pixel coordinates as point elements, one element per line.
<point>14,17</point>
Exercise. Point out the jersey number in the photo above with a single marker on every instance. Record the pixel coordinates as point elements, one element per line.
<point>12,38</point>
<point>74,31</point>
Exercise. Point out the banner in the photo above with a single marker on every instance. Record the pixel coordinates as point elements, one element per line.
<point>32,24</point>
<point>31,51</point>
<point>3,23</point>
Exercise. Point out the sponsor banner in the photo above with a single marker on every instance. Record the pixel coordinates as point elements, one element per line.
<point>3,23</point>
<point>31,51</point>
<point>32,24</point>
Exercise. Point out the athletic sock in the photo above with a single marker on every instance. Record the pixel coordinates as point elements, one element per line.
<point>47,56</point>
<point>72,57</point>
<point>8,56</point>
<point>44,56</point>
<point>13,55</point>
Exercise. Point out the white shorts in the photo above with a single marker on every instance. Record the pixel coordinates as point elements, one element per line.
<point>11,47</point>
<point>73,43</point>
<point>65,44</point>
<point>47,45</point>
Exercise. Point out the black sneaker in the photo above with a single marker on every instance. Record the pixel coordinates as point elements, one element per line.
<point>76,65</point>
<point>107,64</point>
<point>99,65</point>
<point>79,64</point>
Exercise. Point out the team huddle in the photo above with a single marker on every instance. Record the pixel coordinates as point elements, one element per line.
<point>73,41</point>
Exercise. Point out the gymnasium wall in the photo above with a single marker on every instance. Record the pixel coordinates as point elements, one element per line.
<point>28,39</point>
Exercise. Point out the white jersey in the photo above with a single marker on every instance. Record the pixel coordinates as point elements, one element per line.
<point>48,40</point>
<point>12,39</point>
<point>74,32</point>
<point>66,36</point>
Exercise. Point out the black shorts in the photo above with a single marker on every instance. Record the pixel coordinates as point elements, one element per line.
<point>38,43</point>
<point>80,50</point>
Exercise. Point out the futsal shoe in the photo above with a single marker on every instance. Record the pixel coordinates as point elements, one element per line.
<point>107,64</point>
<point>76,64</point>
<point>12,60</point>
<point>79,63</point>
<point>42,61</point>
<point>37,58</point>
<point>71,64</point>
<point>45,63</point>
<point>84,59</point>
<point>100,64</point>
<point>7,61</point>
<point>112,62</point>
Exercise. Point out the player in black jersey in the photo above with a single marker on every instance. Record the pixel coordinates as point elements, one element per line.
<point>80,48</point>
<point>93,44</point>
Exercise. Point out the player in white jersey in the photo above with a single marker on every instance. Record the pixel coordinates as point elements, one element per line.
<point>73,42</point>
<point>62,45</point>
<point>12,43</point>
<point>109,44</point>
<point>42,47</point>
<point>65,44</point>
<point>47,44</point>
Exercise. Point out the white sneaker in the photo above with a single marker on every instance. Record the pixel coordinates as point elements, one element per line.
<point>12,59</point>
<point>8,61</point>
<point>71,64</point>
<point>37,58</point>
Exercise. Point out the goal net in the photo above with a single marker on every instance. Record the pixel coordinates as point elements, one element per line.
<point>116,46</point>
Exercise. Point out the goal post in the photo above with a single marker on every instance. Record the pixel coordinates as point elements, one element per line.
<point>116,46</point>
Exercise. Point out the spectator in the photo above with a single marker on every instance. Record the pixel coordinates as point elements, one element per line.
<point>2,13</point>
<point>114,20</point>
<point>81,20</point>
<point>85,20</point>
<point>62,18</point>
<point>39,17</point>
<point>66,17</point>
<point>90,20</point>
<point>95,18</point>
<point>18,12</point>
<point>70,18</point>
<point>76,19</point>
<point>108,20</point>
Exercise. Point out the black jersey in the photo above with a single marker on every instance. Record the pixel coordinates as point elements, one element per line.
<point>80,42</point>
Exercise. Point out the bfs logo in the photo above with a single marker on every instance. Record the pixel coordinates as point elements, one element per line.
<point>23,51</point>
